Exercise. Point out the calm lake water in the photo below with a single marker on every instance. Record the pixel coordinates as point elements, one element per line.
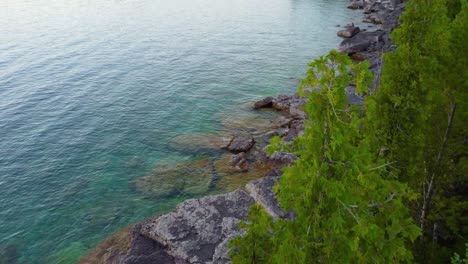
<point>93,91</point>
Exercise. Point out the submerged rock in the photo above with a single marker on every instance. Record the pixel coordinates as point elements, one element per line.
<point>187,177</point>
<point>111,250</point>
<point>231,164</point>
<point>252,122</point>
<point>233,181</point>
<point>201,141</point>
<point>193,232</point>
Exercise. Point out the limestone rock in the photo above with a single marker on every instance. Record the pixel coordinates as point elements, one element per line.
<point>143,250</point>
<point>261,190</point>
<point>192,233</point>
<point>290,104</point>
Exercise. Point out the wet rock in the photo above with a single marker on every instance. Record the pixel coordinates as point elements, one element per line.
<point>236,159</point>
<point>233,181</point>
<point>111,250</point>
<point>241,143</point>
<point>195,229</point>
<point>265,102</point>
<point>240,162</point>
<point>249,122</point>
<point>348,32</point>
<point>187,177</point>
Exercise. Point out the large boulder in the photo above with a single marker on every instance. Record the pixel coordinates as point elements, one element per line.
<point>193,232</point>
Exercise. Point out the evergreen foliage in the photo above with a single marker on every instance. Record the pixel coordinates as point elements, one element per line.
<point>420,119</point>
<point>364,174</point>
<point>347,208</point>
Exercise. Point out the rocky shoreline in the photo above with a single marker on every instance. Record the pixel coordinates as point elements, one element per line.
<point>199,230</point>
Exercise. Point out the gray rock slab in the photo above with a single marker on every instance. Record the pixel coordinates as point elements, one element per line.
<point>261,190</point>
<point>193,232</point>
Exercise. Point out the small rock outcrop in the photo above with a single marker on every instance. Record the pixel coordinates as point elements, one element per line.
<point>263,103</point>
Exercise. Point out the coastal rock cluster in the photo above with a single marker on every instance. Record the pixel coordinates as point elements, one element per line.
<point>199,230</point>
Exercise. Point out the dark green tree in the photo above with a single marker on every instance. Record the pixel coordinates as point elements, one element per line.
<point>347,208</point>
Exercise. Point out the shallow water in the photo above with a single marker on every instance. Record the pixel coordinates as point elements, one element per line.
<point>93,92</point>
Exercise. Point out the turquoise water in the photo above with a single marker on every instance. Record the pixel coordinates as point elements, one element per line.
<point>92,92</point>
